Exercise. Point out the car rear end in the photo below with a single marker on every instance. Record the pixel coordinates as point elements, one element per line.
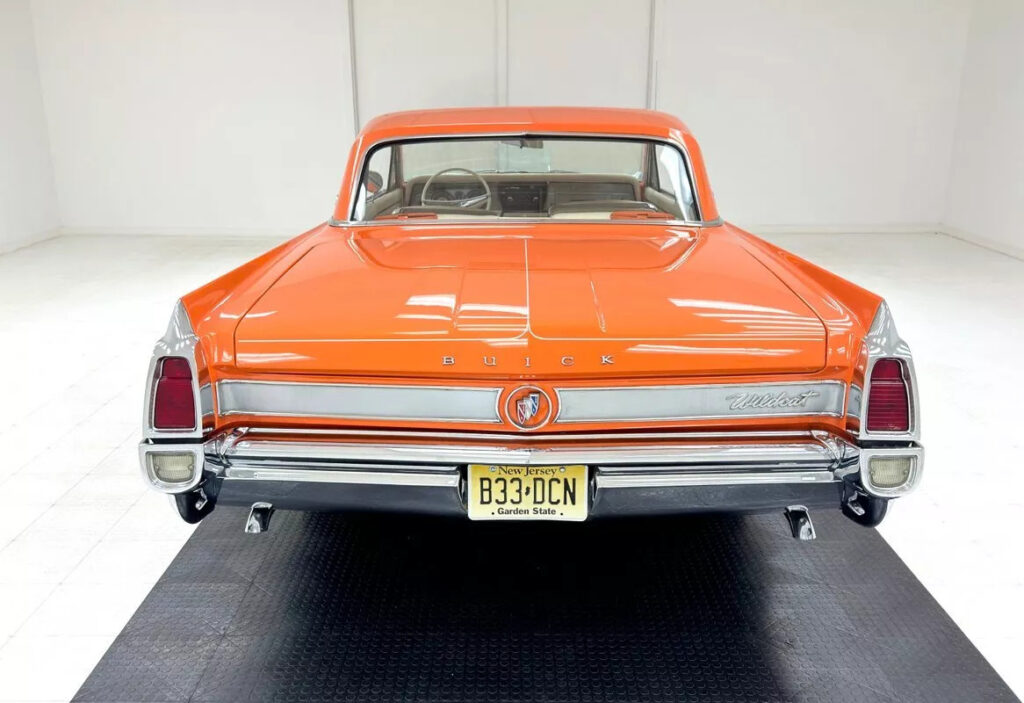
<point>557,449</point>
<point>531,313</point>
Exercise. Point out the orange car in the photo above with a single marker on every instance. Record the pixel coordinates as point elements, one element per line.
<point>531,314</point>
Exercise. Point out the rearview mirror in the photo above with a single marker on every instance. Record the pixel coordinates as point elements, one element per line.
<point>523,143</point>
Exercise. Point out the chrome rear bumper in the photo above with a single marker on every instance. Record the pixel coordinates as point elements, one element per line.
<point>630,473</point>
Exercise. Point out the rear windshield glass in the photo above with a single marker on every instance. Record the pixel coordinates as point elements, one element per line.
<point>546,177</point>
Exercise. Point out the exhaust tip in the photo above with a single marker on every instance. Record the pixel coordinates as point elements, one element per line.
<point>800,525</point>
<point>259,518</point>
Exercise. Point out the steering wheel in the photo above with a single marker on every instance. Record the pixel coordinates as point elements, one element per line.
<point>458,202</point>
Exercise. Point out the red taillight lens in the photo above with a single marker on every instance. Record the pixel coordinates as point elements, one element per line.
<point>174,405</point>
<point>888,400</point>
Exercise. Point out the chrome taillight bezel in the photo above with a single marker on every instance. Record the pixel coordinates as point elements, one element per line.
<point>179,341</point>
<point>883,342</point>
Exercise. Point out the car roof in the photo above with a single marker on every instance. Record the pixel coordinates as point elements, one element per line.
<point>517,120</point>
<point>479,121</point>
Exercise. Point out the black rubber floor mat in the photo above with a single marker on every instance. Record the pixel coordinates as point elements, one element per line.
<point>386,608</point>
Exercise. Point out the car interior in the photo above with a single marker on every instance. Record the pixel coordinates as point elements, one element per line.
<point>459,192</point>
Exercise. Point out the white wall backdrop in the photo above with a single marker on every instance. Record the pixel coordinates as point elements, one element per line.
<point>28,201</point>
<point>195,115</point>
<point>427,54</point>
<point>236,115</point>
<point>986,191</point>
<point>578,52</point>
<point>818,113</point>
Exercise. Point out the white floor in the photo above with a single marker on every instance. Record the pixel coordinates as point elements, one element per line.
<point>82,540</point>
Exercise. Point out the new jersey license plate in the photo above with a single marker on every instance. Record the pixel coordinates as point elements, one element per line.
<point>527,492</point>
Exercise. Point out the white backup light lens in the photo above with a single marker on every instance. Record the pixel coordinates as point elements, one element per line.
<point>890,471</point>
<point>173,468</point>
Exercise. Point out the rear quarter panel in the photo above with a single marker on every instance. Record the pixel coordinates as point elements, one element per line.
<point>846,309</point>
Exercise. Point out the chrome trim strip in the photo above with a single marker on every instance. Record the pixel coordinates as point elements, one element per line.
<point>358,172</point>
<point>701,402</point>
<point>358,401</point>
<point>518,438</point>
<point>779,456</point>
<point>854,401</point>
<point>206,399</point>
<point>435,479</point>
<point>717,222</point>
<point>670,480</point>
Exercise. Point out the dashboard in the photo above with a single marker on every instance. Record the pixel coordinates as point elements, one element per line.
<point>525,197</point>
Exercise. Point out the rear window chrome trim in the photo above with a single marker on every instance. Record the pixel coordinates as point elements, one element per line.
<point>512,221</point>
<point>681,148</point>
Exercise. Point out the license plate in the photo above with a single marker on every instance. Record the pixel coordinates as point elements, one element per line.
<point>527,492</point>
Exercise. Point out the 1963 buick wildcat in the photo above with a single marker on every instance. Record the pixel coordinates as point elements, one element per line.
<point>531,313</point>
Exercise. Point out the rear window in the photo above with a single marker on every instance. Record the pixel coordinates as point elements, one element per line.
<point>517,176</point>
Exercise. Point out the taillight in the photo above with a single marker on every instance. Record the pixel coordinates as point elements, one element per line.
<point>888,399</point>
<point>174,405</point>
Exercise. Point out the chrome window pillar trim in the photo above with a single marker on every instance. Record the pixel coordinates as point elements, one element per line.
<point>884,342</point>
<point>693,402</point>
<point>179,340</point>
<point>679,146</point>
<point>299,399</point>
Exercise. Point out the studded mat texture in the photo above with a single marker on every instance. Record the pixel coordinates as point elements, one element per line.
<point>386,608</point>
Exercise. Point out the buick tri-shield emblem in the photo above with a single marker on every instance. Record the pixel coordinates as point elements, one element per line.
<point>528,407</point>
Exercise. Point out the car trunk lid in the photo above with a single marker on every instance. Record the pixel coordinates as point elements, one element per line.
<point>523,302</point>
